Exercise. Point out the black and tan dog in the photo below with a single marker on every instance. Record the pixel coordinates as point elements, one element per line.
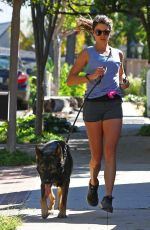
<point>54,165</point>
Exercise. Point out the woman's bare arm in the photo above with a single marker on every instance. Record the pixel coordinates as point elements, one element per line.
<point>81,61</point>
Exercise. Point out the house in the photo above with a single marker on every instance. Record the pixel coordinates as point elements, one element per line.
<point>5,33</point>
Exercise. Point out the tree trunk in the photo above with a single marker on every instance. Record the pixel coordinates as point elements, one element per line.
<point>57,63</point>
<point>39,46</point>
<point>39,104</point>
<point>70,54</point>
<point>148,42</point>
<point>43,33</point>
<point>51,50</point>
<point>146,23</point>
<point>15,29</point>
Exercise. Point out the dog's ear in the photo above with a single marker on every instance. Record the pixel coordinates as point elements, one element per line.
<point>38,151</point>
<point>59,152</point>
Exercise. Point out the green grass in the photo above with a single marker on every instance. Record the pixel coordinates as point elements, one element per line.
<point>9,222</point>
<point>17,158</point>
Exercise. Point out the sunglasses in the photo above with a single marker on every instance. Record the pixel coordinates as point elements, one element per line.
<point>100,32</point>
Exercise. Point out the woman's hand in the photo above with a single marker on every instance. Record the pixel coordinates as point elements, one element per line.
<point>99,72</point>
<point>124,84</point>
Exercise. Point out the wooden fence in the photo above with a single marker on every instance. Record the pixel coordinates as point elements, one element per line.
<point>134,66</point>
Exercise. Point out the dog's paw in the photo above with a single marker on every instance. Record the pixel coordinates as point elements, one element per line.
<point>61,215</point>
<point>45,214</point>
<point>51,212</point>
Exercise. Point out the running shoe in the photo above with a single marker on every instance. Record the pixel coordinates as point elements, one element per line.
<point>106,204</point>
<point>92,196</point>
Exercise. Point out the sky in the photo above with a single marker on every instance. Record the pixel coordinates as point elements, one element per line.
<point>6,15</point>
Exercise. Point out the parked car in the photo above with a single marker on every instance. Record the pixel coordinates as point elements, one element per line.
<point>22,80</point>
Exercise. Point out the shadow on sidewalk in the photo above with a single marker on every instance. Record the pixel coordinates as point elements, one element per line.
<point>131,191</point>
<point>129,205</point>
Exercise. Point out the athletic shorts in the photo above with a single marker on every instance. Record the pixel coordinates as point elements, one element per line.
<point>102,109</point>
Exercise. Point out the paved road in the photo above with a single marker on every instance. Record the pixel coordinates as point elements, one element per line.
<point>20,194</point>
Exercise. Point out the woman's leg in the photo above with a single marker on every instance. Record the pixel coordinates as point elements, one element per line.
<point>111,131</point>
<point>95,136</point>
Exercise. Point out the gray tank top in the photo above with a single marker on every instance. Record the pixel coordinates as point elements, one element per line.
<point>110,81</point>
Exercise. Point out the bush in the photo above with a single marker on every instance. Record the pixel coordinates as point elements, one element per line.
<point>136,86</point>
<point>33,90</point>
<point>144,130</point>
<point>56,125</point>
<point>143,75</point>
<point>3,132</point>
<point>53,127</point>
<point>136,92</point>
<point>65,90</point>
<point>9,222</point>
<point>145,106</point>
<point>134,98</point>
<point>26,130</point>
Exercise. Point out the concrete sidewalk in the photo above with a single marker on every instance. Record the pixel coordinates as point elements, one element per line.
<point>20,194</point>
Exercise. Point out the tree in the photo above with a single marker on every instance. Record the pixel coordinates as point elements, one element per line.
<point>136,8</point>
<point>44,17</point>
<point>44,21</point>
<point>15,29</point>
